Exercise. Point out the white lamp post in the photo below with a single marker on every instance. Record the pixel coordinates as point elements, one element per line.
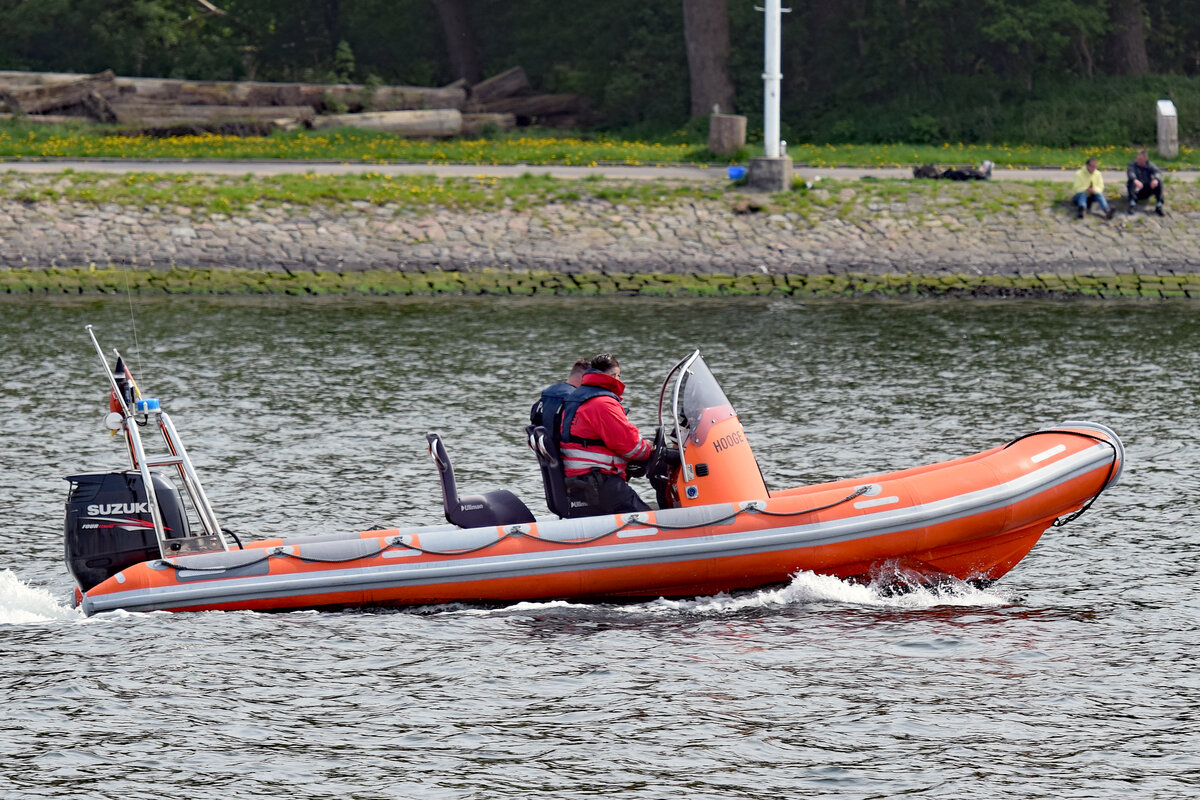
<point>772,172</point>
<point>772,24</point>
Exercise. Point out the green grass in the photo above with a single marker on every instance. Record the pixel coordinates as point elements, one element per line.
<point>23,140</point>
<point>225,194</point>
<point>34,141</point>
<point>863,199</point>
<point>1006,156</point>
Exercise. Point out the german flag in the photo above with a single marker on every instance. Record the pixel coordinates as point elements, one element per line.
<point>126,385</point>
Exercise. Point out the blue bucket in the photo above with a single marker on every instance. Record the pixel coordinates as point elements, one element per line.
<point>737,173</point>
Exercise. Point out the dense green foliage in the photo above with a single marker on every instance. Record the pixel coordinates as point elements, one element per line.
<point>1052,72</point>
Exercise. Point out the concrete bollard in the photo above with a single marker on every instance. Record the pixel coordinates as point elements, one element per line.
<point>770,174</point>
<point>1168,129</point>
<point>726,133</point>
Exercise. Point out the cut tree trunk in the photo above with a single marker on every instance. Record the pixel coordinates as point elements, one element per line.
<point>506,84</point>
<point>437,122</point>
<point>475,124</point>
<point>163,115</point>
<point>98,107</point>
<point>537,105</point>
<point>706,33</point>
<point>38,99</point>
<point>726,134</point>
<point>322,97</point>
<point>257,93</point>
<point>48,119</point>
<point>400,98</point>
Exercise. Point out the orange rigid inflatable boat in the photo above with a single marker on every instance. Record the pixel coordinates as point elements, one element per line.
<point>146,539</point>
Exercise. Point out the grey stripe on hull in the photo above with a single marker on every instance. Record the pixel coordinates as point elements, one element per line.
<point>627,553</point>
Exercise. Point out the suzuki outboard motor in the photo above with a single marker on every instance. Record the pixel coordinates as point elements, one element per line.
<point>109,527</point>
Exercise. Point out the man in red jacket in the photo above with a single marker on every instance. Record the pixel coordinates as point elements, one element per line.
<point>598,441</point>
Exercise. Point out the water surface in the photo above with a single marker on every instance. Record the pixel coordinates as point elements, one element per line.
<point>1075,676</point>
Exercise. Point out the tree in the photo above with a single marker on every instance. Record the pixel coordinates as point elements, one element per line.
<point>1128,42</point>
<point>460,43</point>
<point>1038,35</point>
<point>1173,36</point>
<point>820,47</point>
<point>706,33</point>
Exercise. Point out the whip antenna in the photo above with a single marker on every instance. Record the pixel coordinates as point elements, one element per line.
<point>133,321</point>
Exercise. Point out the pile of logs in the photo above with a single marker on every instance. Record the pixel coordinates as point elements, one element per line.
<point>510,93</point>
<point>159,106</point>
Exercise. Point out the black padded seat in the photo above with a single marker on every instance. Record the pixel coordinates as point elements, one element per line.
<point>497,507</point>
<point>553,479</point>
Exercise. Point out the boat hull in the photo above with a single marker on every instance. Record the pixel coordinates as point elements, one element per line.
<point>971,519</point>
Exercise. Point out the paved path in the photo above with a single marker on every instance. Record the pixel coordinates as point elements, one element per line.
<point>714,174</point>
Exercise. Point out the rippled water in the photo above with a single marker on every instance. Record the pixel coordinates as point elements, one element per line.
<point>1076,676</point>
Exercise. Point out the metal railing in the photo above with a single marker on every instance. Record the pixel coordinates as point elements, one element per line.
<point>130,420</point>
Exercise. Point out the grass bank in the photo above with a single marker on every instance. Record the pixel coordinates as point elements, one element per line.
<point>122,282</point>
<point>223,194</point>
<point>424,193</point>
<point>23,140</point>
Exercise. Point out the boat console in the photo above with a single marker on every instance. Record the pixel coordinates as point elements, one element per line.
<point>701,453</point>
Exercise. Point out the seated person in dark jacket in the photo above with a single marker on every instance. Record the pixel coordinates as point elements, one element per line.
<point>1145,179</point>
<point>552,398</point>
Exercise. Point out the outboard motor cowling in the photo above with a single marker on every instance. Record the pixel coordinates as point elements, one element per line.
<point>109,527</point>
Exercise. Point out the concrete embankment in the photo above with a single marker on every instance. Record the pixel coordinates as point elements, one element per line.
<point>843,237</point>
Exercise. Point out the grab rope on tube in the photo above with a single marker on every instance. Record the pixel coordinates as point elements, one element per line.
<point>398,543</point>
<point>1112,466</point>
<point>515,531</point>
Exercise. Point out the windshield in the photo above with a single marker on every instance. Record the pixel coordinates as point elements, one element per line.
<point>698,403</point>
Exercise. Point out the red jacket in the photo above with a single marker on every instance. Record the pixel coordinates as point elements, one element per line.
<point>604,419</point>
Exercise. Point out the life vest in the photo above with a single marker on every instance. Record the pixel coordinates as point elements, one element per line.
<point>581,456</point>
<point>546,411</point>
<point>569,408</point>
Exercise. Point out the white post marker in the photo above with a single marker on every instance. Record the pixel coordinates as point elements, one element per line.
<point>1168,129</point>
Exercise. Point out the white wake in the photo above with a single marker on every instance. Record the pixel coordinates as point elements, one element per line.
<point>21,604</point>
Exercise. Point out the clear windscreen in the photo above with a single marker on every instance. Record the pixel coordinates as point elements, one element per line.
<point>699,402</point>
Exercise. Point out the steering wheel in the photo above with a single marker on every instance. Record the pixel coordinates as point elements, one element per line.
<point>660,468</point>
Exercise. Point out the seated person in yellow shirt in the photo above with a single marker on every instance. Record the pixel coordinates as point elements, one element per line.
<point>1089,188</point>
